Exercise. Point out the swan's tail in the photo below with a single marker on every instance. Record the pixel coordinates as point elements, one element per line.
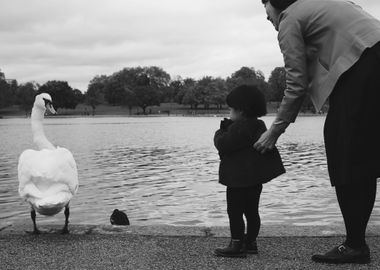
<point>53,204</point>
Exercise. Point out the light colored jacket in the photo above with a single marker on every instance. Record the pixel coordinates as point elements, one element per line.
<point>320,40</point>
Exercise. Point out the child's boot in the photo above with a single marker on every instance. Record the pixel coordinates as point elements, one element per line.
<point>235,249</point>
<point>250,245</point>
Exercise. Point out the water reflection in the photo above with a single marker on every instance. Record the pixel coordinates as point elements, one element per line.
<point>165,171</point>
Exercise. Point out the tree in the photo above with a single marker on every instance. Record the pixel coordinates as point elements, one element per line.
<point>246,75</point>
<point>120,84</point>
<point>79,96</point>
<point>201,90</point>
<point>146,96</point>
<point>147,87</point>
<point>277,84</point>
<point>130,99</point>
<point>118,91</point>
<point>5,94</point>
<point>174,88</point>
<point>158,78</point>
<point>183,87</point>
<point>139,86</point>
<point>195,92</point>
<point>62,94</point>
<point>25,96</point>
<point>168,93</point>
<point>217,92</point>
<point>8,90</point>
<point>191,98</point>
<point>95,92</point>
<point>2,75</point>
<point>114,91</point>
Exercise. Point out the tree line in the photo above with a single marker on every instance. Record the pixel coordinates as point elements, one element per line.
<point>143,87</point>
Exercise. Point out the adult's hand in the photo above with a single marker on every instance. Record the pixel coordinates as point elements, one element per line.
<point>267,141</point>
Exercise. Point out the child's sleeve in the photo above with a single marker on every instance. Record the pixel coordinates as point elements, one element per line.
<point>259,130</point>
<point>237,137</point>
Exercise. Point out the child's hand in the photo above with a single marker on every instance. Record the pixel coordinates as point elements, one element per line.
<point>225,123</point>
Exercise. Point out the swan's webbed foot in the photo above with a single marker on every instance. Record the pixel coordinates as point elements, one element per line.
<point>65,229</point>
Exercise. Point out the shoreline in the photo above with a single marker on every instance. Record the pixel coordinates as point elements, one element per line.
<point>193,231</point>
<point>148,116</point>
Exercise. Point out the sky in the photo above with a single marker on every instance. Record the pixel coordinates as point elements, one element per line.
<point>75,40</point>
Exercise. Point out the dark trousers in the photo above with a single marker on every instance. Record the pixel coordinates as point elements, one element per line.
<point>356,202</point>
<point>244,201</point>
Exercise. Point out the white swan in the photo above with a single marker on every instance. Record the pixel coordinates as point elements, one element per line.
<point>48,178</point>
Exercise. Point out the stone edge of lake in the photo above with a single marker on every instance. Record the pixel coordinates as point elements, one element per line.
<point>170,230</point>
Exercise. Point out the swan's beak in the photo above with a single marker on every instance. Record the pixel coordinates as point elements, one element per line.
<point>50,108</point>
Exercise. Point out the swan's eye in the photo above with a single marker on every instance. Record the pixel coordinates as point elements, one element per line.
<point>47,102</point>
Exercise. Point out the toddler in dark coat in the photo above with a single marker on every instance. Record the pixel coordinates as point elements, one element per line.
<point>243,169</point>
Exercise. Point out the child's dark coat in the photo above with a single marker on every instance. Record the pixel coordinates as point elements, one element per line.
<point>240,164</point>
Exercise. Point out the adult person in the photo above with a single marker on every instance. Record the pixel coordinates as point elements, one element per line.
<point>331,50</point>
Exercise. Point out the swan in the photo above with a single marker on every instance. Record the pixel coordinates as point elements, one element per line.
<point>48,177</point>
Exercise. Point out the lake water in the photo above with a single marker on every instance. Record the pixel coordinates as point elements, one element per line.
<point>164,170</point>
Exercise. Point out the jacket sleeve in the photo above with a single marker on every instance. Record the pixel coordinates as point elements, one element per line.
<point>292,46</point>
<point>260,128</point>
<point>237,137</point>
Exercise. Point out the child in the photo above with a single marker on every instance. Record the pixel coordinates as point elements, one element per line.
<point>242,169</point>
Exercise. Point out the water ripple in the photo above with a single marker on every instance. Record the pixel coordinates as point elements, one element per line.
<point>165,171</point>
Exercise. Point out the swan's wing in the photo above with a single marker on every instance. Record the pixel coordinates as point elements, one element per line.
<point>68,169</point>
<point>47,169</point>
<point>25,170</point>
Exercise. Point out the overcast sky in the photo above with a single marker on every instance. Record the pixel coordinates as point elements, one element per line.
<point>74,40</point>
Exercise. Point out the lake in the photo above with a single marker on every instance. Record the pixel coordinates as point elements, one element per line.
<point>164,170</point>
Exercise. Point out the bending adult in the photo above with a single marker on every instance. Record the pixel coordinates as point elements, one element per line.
<point>331,50</point>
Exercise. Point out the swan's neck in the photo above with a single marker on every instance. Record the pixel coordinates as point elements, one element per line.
<point>39,137</point>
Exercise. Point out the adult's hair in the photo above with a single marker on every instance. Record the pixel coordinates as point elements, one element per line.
<point>248,99</point>
<point>279,4</point>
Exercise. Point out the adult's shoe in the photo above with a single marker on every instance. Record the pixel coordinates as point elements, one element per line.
<point>344,254</point>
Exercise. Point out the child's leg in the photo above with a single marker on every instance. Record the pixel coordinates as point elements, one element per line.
<point>235,210</point>
<point>235,206</point>
<point>251,211</point>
